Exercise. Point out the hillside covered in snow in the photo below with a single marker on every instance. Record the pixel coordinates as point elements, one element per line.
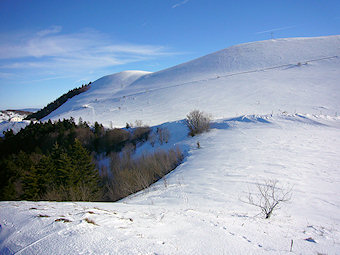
<point>275,107</point>
<point>13,120</point>
<point>283,75</point>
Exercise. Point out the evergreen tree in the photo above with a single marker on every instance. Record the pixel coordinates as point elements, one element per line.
<point>84,175</point>
<point>39,179</point>
<point>62,166</point>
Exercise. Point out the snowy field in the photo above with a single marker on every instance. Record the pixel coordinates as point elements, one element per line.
<point>275,106</point>
<point>199,208</point>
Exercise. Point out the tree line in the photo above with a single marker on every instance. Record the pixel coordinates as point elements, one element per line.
<point>58,161</point>
<point>58,102</point>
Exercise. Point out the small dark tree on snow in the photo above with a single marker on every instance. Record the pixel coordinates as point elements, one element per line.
<point>269,196</point>
<point>197,122</point>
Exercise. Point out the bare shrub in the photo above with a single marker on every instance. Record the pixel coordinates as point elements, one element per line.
<point>132,175</point>
<point>115,139</point>
<point>82,192</point>
<point>152,139</point>
<point>79,192</point>
<point>269,196</point>
<point>84,135</point>
<point>197,122</point>
<point>55,194</point>
<point>163,135</point>
<point>139,123</point>
<point>141,134</point>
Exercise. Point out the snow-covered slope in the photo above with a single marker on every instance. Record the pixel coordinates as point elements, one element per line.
<point>199,208</point>
<point>12,119</point>
<point>253,78</point>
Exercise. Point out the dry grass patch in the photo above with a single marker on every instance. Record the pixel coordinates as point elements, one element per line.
<point>90,221</point>
<point>43,216</point>
<point>63,220</point>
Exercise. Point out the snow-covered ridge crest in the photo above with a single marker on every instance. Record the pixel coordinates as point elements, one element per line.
<point>253,78</point>
<point>116,82</point>
<point>246,57</point>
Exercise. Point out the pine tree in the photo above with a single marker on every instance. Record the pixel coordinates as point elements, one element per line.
<point>84,176</point>
<point>62,165</point>
<point>30,184</point>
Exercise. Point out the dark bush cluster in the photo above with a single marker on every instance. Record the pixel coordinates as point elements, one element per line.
<point>57,161</point>
<point>66,172</point>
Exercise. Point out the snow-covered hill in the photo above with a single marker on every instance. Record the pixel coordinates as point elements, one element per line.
<point>198,208</point>
<point>254,78</point>
<point>13,119</point>
<point>275,106</point>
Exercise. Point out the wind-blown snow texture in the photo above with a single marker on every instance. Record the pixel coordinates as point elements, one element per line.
<point>276,106</point>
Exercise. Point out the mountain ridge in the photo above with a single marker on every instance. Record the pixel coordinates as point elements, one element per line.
<point>294,64</point>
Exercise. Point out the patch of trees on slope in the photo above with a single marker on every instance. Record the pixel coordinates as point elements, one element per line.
<point>60,161</point>
<point>57,103</point>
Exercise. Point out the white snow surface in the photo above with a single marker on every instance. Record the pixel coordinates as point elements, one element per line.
<point>292,75</point>
<point>280,123</point>
<point>9,120</point>
<point>16,126</point>
<point>198,208</point>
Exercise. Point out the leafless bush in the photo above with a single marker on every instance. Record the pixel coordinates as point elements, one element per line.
<point>115,137</point>
<point>141,134</point>
<point>80,192</point>
<point>152,139</point>
<point>132,175</point>
<point>197,122</point>
<point>139,123</point>
<point>269,196</point>
<point>163,135</point>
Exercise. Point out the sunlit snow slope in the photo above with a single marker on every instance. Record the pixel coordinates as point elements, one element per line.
<point>201,207</point>
<point>254,78</point>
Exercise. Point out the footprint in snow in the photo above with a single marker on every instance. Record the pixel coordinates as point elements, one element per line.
<point>310,239</point>
<point>245,238</point>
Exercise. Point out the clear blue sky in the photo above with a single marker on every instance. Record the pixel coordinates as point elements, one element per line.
<point>50,47</point>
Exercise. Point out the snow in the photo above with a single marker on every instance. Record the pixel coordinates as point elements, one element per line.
<point>16,126</point>
<point>280,123</point>
<point>198,209</point>
<point>253,78</point>
<point>11,120</point>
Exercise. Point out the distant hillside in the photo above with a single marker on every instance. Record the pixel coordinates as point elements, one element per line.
<point>8,115</point>
<point>20,112</point>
